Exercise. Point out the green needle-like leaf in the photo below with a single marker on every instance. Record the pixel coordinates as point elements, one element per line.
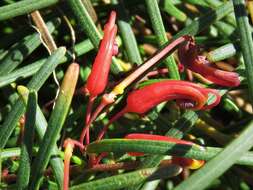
<point>35,83</point>
<point>127,34</point>
<point>23,7</point>
<point>10,152</point>
<point>246,42</point>
<point>220,163</point>
<point>221,53</point>
<point>18,52</point>
<point>129,179</point>
<point>157,24</point>
<point>55,124</point>
<point>171,9</point>
<point>41,126</point>
<point>29,70</point>
<point>206,20</point>
<point>27,143</point>
<point>162,148</point>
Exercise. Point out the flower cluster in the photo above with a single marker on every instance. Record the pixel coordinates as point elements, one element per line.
<point>188,95</point>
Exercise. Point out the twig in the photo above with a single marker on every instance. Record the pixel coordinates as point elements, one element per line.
<point>47,39</point>
<point>46,36</point>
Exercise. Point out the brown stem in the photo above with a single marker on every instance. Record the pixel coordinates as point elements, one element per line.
<point>46,36</point>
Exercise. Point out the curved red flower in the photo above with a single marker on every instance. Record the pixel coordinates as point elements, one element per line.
<point>188,56</point>
<point>187,94</point>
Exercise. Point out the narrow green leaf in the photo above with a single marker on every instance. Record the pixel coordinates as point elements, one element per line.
<point>246,42</point>
<point>27,143</point>
<point>183,125</point>
<point>162,148</point>
<point>89,7</point>
<point>55,124</point>
<point>85,21</point>
<point>23,7</point>
<point>225,29</point>
<point>41,76</point>
<point>157,25</point>
<point>230,18</point>
<point>220,163</point>
<point>206,20</point>
<point>35,83</point>
<point>128,38</point>
<point>129,179</point>
<point>198,2</point>
<point>172,10</point>
<point>18,52</point>
<point>10,152</point>
<point>186,121</point>
<point>29,70</point>
<point>221,53</point>
<point>41,126</point>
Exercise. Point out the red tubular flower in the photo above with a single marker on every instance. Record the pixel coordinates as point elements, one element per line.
<point>142,100</point>
<point>98,77</point>
<point>188,56</point>
<point>184,162</point>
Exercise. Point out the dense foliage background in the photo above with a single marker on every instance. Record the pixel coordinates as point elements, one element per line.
<point>39,94</point>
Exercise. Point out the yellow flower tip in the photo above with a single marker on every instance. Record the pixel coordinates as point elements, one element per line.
<point>191,137</point>
<point>119,89</point>
<point>196,164</point>
<point>188,162</point>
